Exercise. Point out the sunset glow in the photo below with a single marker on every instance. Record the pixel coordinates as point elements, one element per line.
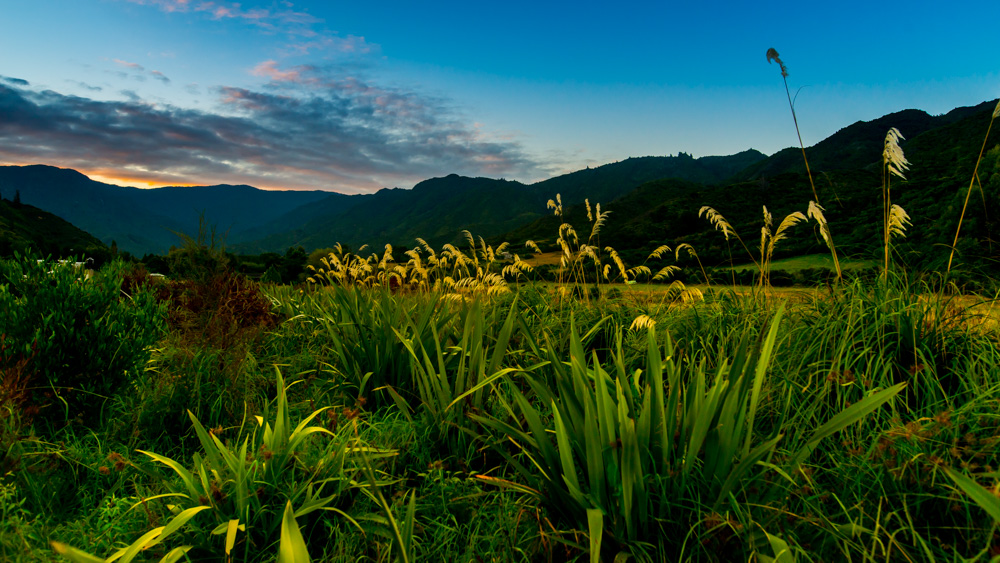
<point>353,98</point>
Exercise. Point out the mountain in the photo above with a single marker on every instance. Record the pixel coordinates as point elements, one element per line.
<point>611,181</point>
<point>857,146</point>
<point>942,151</point>
<point>437,210</point>
<point>145,221</point>
<point>24,227</point>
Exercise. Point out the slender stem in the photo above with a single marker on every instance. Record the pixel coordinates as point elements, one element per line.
<point>802,147</point>
<point>801,144</point>
<point>967,194</point>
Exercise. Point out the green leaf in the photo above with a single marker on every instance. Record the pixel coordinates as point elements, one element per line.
<point>979,494</point>
<point>184,474</point>
<point>845,418</point>
<point>74,554</point>
<point>595,525</point>
<point>291,548</point>
<point>761,369</point>
<point>231,528</point>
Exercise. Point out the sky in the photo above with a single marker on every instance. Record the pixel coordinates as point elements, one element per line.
<point>357,96</point>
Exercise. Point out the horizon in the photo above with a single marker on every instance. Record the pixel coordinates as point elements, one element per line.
<point>111,181</point>
<point>301,96</point>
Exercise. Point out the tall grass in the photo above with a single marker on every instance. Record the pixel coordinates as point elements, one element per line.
<point>772,55</point>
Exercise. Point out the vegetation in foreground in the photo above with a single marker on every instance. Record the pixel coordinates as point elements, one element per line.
<point>352,423</point>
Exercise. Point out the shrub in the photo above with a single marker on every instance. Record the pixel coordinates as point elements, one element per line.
<point>81,336</point>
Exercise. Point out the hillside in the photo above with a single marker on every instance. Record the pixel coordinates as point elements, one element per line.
<point>438,209</point>
<point>857,146</point>
<point>24,227</point>
<point>254,220</point>
<point>144,221</point>
<point>942,159</point>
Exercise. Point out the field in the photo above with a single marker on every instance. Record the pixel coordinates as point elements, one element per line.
<point>371,422</point>
<point>817,261</point>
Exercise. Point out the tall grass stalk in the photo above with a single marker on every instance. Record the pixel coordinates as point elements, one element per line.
<point>975,172</point>
<point>894,219</point>
<point>772,55</point>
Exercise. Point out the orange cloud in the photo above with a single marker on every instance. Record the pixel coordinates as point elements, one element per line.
<point>270,70</point>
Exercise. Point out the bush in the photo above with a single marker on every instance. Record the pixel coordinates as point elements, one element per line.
<point>78,336</point>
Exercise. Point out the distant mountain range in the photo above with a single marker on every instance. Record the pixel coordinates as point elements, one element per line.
<point>145,221</point>
<point>654,200</point>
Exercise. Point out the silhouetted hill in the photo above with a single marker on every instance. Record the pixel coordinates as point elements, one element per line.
<point>438,209</point>
<point>144,221</point>
<point>856,146</point>
<point>611,181</point>
<point>942,158</point>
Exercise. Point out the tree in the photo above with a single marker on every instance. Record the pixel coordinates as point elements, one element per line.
<point>293,264</point>
<point>17,198</point>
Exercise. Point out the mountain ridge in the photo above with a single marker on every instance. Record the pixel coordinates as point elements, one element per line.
<point>254,220</point>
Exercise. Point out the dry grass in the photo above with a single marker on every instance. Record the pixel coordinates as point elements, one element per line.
<point>544,259</point>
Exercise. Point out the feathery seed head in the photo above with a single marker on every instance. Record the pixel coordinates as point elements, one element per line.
<point>892,155</point>
<point>772,55</point>
<point>717,220</point>
<point>641,322</point>
<point>555,206</point>
<point>684,246</point>
<point>815,211</point>
<point>898,219</point>
<point>590,216</point>
<point>633,273</point>
<point>996,111</point>
<point>659,252</point>
<point>666,273</point>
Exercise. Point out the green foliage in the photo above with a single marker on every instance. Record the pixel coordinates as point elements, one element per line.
<point>246,488</point>
<point>635,453</point>
<point>83,338</point>
<point>454,378</point>
<point>359,329</point>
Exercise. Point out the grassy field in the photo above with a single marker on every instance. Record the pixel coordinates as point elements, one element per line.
<point>371,423</point>
<point>815,261</point>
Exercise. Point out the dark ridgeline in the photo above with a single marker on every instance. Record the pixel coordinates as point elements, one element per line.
<point>654,200</point>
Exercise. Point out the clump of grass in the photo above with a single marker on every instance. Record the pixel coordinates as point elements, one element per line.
<point>453,271</point>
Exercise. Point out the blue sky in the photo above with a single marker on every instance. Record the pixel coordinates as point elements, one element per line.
<point>355,96</point>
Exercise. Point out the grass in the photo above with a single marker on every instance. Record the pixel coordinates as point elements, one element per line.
<point>810,261</point>
<point>853,425</point>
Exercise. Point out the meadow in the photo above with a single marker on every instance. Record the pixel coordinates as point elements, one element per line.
<point>447,404</point>
<point>437,412</point>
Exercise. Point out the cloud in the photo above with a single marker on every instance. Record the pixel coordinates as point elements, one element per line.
<point>304,31</point>
<point>128,65</point>
<point>86,86</point>
<point>137,72</point>
<point>322,133</point>
<point>270,70</point>
<point>14,81</point>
